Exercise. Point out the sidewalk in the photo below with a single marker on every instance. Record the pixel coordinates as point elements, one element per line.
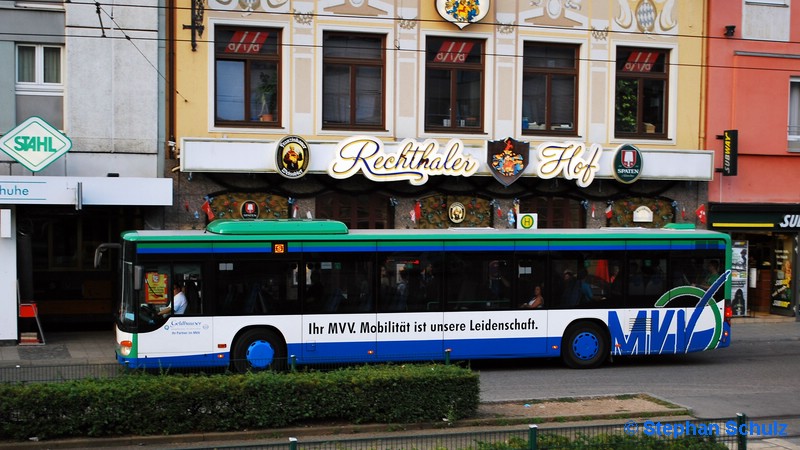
<point>63,348</point>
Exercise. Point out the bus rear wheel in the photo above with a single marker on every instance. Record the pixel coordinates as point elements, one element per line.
<point>259,349</point>
<point>584,346</point>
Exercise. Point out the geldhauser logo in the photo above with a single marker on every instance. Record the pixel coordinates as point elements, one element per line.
<point>671,331</point>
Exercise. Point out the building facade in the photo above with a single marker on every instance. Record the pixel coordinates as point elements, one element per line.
<point>83,87</point>
<point>753,124</point>
<point>434,114</point>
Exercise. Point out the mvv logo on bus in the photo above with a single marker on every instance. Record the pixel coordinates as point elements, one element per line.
<point>670,330</point>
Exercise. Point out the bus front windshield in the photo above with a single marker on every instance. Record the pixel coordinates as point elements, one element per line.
<point>126,314</point>
<point>145,295</point>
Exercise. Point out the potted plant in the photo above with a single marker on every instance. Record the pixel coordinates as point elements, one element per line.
<point>266,96</point>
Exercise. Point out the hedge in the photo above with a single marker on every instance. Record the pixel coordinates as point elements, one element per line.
<point>146,404</point>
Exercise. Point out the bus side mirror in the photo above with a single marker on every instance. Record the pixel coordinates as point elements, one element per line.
<point>98,252</point>
<point>138,272</point>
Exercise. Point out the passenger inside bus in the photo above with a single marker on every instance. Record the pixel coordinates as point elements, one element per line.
<point>537,301</point>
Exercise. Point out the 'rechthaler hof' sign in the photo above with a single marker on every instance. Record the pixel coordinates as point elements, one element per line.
<point>414,161</point>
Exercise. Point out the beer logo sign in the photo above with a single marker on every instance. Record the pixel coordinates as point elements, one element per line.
<point>292,157</point>
<point>249,210</point>
<point>462,12</point>
<point>456,212</point>
<point>627,164</point>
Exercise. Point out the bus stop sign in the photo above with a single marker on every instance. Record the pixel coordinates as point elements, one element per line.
<point>35,144</point>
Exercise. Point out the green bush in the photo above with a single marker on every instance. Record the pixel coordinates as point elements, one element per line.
<point>142,404</point>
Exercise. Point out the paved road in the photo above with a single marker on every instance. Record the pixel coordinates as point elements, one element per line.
<point>758,375</point>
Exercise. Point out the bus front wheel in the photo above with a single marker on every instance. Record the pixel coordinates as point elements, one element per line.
<point>584,346</point>
<point>259,349</point>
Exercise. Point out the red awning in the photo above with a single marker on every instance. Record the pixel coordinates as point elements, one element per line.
<point>640,61</point>
<point>454,51</point>
<point>246,42</point>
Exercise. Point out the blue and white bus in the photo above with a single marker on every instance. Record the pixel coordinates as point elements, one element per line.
<point>260,292</point>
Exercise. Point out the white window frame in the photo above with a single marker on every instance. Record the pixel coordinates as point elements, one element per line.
<point>39,85</point>
<point>672,101</point>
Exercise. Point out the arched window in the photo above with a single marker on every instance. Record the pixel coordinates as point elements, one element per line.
<point>555,212</point>
<point>366,211</point>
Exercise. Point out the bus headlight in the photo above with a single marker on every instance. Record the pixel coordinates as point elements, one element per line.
<point>125,348</point>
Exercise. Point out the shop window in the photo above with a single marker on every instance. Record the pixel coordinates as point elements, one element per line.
<point>641,93</point>
<point>555,212</point>
<point>454,85</point>
<point>247,76</point>
<point>549,89</point>
<point>353,81</point>
<point>366,211</point>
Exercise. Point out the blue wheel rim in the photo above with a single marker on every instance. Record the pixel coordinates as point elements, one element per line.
<point>260,354</point>
<point>585,346</point>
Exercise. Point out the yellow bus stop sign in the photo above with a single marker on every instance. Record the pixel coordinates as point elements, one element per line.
<point>528,221</point>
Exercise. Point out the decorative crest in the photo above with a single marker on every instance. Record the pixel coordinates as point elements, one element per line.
<point>462,12</point>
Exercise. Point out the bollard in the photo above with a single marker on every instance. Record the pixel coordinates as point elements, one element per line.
<point>741,419</point>
<point>292,443</point>
<point>447,357</point>
<point>294,363</point>
<point>533,435</point>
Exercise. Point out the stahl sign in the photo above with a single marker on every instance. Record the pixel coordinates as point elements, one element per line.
<point>35,144</point>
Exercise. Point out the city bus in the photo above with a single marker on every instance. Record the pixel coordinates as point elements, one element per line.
<point>260,293</point>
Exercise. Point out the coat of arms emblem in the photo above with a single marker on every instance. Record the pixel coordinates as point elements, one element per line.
<point>507,159</point>
<point>462,12</point>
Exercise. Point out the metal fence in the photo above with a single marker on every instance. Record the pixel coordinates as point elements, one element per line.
<point>691,434</point>
<point>54,371</point>
<point>57,373</point>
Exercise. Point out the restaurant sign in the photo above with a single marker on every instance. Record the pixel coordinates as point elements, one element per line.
<point>572,160</point>
<point>414,162</point>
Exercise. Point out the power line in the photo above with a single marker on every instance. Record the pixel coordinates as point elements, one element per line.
<point>415,50</point>
<point>434,20</point>
<point>128,38</point>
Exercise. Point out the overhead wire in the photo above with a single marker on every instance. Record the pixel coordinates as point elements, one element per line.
<point>100,8</point>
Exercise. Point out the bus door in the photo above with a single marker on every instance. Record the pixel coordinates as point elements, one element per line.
<point>410,318</point>
<point>172,302</point>
<point>338,302</point>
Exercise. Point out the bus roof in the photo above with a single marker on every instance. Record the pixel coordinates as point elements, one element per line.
<point>315,229</point>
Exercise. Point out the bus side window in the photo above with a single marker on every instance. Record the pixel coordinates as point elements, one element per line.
<point>192,292</point>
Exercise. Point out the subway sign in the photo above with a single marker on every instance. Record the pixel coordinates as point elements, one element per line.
<point>35,144</point>
<point>730,154</point>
